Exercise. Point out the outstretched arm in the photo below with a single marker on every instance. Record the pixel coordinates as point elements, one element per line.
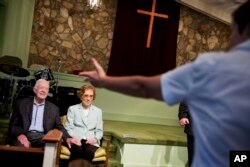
<point>138,86</point>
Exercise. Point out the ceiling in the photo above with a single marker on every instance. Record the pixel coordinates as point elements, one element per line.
<point>218,9</point>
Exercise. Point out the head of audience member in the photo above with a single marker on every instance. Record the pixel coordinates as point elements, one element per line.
<point>41,90</point>
<point>240,25</point>
<point>87,95</point>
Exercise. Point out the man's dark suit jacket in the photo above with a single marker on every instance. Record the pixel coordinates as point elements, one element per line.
<point>184,113</point>
<point>21,118</point>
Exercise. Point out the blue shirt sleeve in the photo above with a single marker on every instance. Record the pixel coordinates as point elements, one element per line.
<point>176,84</point>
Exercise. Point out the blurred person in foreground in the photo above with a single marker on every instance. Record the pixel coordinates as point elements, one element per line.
<point>216,88</point>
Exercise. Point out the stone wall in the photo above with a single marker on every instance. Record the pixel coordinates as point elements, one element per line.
<point>67,30</point>
<point>199,33</point>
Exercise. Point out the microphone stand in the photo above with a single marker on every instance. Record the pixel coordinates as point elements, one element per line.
<point>57,76</point>
<point>9,95</point>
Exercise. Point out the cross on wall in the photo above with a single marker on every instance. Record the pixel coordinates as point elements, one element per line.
<point>152,14</point>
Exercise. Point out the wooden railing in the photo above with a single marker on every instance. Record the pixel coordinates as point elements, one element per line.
<point>44,157</point>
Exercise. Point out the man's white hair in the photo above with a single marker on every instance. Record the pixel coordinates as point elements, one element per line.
<point>39,81</point>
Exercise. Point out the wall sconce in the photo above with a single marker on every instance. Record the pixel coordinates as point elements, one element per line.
<point>94,4</point>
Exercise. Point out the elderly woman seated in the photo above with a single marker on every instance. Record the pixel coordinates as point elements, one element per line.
<point>84,122</point>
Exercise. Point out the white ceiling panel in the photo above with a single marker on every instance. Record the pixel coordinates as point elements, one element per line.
<point>218,9</point>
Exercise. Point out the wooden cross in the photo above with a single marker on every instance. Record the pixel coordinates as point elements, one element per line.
<point>152,15</point>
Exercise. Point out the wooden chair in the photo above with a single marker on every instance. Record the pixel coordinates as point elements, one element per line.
<point>101,154</point>
<point>44,157</point>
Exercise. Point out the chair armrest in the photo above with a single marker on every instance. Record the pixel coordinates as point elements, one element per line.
<point>34,150</point>
<point>54,135</point>
<point>108,143</point>
<point>107,149</point>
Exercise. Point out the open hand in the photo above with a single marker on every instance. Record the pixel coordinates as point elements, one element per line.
<point>95,76</point>
<point>23,140</point>
<point>75,141</point>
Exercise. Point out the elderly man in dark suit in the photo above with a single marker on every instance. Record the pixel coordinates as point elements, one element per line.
<point>33,117</point>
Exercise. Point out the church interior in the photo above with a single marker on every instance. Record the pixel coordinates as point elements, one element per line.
<point>55,39</point>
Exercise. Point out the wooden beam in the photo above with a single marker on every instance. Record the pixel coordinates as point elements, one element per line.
<point>152,14</point>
